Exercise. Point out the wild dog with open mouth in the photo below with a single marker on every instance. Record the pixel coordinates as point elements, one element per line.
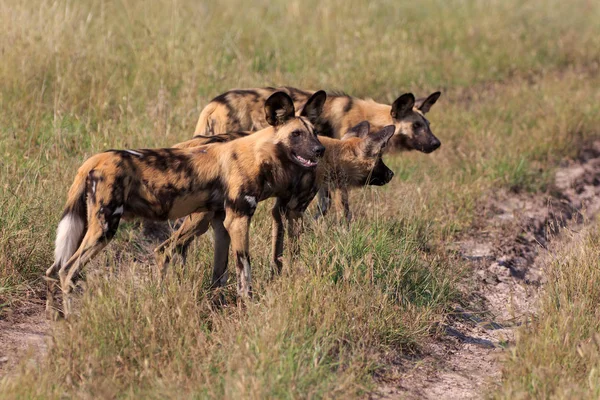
<point>228,179</point>
<point>354,161</point>
<point>239,110</point>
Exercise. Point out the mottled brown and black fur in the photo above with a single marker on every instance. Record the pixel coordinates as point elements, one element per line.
<point>226,179</point>
<point>241,110</point>
<point>354,161</point>
<point>238,110</point>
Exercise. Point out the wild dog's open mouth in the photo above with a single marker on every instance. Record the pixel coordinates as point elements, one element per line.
<point>303,161</point>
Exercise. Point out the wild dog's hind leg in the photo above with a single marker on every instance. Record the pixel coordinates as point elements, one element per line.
<point>90,246</point>
<point>221,254</point>
<point>324,202</point>
<point>193,226</point>
<point>104,214</point>
<point>51,288</point>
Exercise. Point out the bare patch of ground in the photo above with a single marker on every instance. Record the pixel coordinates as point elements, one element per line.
<point>507,251</point>
<point>24,337</point>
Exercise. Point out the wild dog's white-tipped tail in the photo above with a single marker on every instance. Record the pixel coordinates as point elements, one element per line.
<point>68,235</point>
<point>71,227</point>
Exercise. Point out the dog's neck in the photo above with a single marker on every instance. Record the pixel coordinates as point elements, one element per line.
<point>338,165</point>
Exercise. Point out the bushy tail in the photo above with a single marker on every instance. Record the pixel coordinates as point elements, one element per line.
<point>72,225</point>
<point>203,126</point>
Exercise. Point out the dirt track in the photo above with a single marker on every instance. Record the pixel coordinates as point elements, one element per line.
<point>511,241</point>
<point>23,336</point>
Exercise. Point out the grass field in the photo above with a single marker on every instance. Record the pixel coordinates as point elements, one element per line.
<point>520,91</point>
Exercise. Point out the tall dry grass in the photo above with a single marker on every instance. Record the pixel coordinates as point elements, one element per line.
<point>80,77</point>
<point>558,354</point>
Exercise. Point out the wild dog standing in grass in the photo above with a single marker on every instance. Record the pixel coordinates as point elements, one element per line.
<point>239,110</point>
<point>229,178</point>
<point>354,161</point>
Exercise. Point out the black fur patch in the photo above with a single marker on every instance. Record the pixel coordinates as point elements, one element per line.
<point>91,185</point>
<point>224,100</point>
<point>240,256</point>
<point>265,174</point>
<point>221,138</point>
<point>106,215</point>
<point>324,128</point>
<point>348,105</point>
<point>221,99</point>
<point>244,93</point>
<point>242,206</point>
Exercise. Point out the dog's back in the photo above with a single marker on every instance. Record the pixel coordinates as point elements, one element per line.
<point>243,110</point>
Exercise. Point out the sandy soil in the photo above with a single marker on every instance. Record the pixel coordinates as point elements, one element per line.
<point>23,336</point>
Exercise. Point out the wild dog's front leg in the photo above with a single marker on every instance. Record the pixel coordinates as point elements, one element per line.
<point>344,197</point>
<point>278,231</point>
<point>342,204</point>
<point>295,229</point>
<point>238,226</point>
<point>193,226</point>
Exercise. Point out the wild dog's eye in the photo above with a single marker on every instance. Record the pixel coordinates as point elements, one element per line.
<point>417,125</point>
<point>296,133</point>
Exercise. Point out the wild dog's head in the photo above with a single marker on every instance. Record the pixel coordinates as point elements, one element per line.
<point>296,138</point>
<point>368,167</point>
<point>413,131</point>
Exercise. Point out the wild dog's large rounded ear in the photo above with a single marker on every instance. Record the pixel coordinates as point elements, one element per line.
<point>361,130</point>
<point>403,106</point>
<point>279,108</point>
<point>424,103</point>
<point>314,106</point>
<point>377,140</point>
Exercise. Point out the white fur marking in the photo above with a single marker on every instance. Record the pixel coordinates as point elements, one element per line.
<point>94,186</point>
<point>251,200</point>
<point>135,153</point>
<point>246,274</point>
<point>118,210</point>
<point>68,234</point>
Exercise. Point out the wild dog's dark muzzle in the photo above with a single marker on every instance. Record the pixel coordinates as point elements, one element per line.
<point>433,145</point>
<point>381,175</point>
<point>319,151</point>
<point>389,175</point>
<point>427,144</point>
<point>382,179</point>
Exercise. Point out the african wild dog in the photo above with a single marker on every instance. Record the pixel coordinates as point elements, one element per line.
<point>227,179</point>
<point>351,162</point>
<point>239,110</point>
